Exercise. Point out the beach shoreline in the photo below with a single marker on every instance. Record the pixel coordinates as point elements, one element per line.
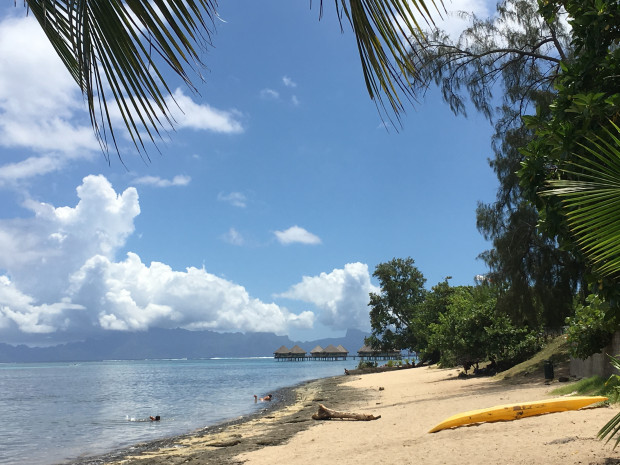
<point>410,402</point>
<point>288,414</point>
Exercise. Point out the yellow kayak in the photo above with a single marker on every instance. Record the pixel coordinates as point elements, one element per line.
<point>516,411</point>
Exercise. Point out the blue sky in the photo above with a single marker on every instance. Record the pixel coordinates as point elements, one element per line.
<point>266,209</point>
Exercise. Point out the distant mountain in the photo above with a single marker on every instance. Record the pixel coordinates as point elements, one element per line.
<point>352,341</point>
<point>169,343</point>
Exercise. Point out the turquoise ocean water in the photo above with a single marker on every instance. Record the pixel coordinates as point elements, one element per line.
<point>56,412</point>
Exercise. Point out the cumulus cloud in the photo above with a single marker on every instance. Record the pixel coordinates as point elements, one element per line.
<point>41,107</point>
<point>342,295</point>
<point>295,234</point>
<point>130,295</point>
<point>156,181</point>
<point>42,251</point>
<point>236,199</point>
<point>61,277</point>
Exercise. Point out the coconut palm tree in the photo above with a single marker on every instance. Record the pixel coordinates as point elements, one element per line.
<point>114,50</point>
<point>591,201</point>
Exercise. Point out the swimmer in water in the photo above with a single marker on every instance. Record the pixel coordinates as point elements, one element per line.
<point>157,418</point>
<point>267,398</point>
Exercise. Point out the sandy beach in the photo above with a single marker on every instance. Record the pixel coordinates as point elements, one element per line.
<point>410,403</point>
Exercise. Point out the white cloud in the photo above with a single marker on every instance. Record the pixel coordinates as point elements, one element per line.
<point>453,23</point>
<point>269,94</point>
<point>130,295</point>
<point>185,113</point>
<point>42,251</point>
<point>295,100</point>
<point>189,114</point>
<point>234,237</point>
<point>342,295</point>
<point>156,181</point>
<point>295,234</point>
<point>236,199</point>
<point>61,277</point>
<point>288,82</point>
<point>41,107</point>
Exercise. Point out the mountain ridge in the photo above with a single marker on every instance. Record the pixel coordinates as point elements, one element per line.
<point>170,343</point>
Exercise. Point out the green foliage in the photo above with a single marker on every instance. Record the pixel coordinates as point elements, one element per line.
<point>517,53</point>
<point>591,201</point>
<point>366,364</point>
<point>471,331</point>
<point>612,428</point>
<point>592,386</point>
<point>390,363</point>
<point>394,311</point>
<point>591,328</point>
<point>561,152</point>
<point>455,325</point>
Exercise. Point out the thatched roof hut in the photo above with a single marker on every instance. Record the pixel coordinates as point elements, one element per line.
<point>368,352</point>
<point>317,351</point>
<point>282,352</point>
<point>297,352</point>
<point>342,350</point>
<point>331,351</point>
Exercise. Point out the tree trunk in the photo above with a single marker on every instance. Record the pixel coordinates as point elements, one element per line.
<point>325,413</point>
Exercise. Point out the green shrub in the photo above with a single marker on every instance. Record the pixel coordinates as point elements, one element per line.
<point>366,364</point>
<point>591,328</point>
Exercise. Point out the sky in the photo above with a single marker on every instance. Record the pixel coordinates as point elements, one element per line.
<point>267,208</point>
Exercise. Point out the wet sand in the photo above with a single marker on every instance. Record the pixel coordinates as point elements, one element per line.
<point>410,403</point>
<point>289,413</point>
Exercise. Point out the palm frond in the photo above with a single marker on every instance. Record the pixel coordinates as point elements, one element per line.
<point>112,47</point>
<point>385,31</point>
<point>591,200</point>
<point>612,427</point>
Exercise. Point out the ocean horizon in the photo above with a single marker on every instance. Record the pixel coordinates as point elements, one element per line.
<point>61,412</point>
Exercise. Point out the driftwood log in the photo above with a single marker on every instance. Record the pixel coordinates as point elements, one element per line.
<point>325,413</point>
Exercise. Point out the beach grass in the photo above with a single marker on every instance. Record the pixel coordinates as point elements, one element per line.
<point>592,386</point>
<point>556,350</point>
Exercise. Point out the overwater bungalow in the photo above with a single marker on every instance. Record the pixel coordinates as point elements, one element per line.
<point>317,352</point>
<point>282,353</point>
<point>297,353</point>
<point>343,351</point>
<point>334,353</point>
<point>368,353</point>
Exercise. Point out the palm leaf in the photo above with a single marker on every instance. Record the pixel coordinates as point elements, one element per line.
<point>112,45</point>
<point>112,49</point>
<point>612,427</point>
<point>591,201</point>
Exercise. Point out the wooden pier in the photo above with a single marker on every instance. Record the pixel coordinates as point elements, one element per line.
<point>332,353</point>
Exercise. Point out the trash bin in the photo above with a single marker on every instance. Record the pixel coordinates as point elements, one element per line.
<point>548,369</point>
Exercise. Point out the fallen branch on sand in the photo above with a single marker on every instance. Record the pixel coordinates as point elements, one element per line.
<point>325,413</point>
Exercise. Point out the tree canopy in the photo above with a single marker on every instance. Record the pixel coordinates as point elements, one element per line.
<point>506,67</point>
<point>394,311</point>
